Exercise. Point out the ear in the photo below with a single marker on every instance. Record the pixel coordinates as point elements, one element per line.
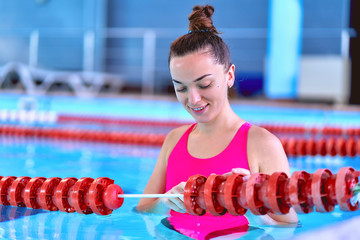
<point>230,76</point>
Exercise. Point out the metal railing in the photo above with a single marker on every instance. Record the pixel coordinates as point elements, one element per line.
<point>150,38</point>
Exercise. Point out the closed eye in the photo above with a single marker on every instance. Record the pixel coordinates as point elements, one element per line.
<point>203,87</point>
<point>180,89</point>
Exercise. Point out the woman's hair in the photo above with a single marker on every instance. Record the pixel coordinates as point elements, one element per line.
<point>202,36</point>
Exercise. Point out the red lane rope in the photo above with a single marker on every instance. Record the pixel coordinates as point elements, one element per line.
<point>326,130</point>
<point>274,128</point>
<point>292,146</point>
<point>260,193</point>
<point>52,117</point>
<point>84,135</point>
<point>330,146</point>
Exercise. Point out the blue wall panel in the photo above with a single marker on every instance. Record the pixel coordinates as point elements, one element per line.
<point>61,26</point>
<point>284,48</point>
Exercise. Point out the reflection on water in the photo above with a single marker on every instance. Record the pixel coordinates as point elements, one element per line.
<point>161,228</point>
<point>201,233</point>
<point>25,223</point>
<point>8,213</point>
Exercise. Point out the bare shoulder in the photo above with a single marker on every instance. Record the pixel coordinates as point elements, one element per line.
<point>172,138</point>
<point>174,135</point>
<point>261,135</point>
<point>266,151</point>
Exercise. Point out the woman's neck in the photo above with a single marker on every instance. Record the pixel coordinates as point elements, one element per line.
<point>227,119</point>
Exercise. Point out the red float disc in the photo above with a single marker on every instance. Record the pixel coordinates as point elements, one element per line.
<point>310,147</point>
<point>300,192</point>
<point>338,131</point>
<point>321,147</point>
<point>62,194</point>
<point>330,146</point>
<point>301,147</point>
<point>291,147</point>
<point>313,130</point>
<point>31,192</point>
<point>350,147</point>
<point>111,197</point>
<point>325,131</point>
<point>16,189</point>
<point>346,179</point>
<point>321,190</point>
<point>47,191</point>
<point>5,183</point>
<point>212,194</point>
<point>96,190</point>
<point>276,193</point>
<point>79,195</point>
<point>350,132</point>
<point>340,146</point>
<point>232,194</point>
<point>255,194</point>
<point>357,147</point>
<point>192,195</point>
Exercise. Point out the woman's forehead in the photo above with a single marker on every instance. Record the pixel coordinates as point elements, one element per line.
<point>194,60</point>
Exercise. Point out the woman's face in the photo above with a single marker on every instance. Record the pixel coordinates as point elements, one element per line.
<point>201,85</point>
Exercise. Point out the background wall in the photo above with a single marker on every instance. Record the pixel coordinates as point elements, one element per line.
<point>62,26</point>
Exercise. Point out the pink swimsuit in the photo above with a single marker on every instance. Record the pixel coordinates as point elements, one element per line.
<point>181,165</point>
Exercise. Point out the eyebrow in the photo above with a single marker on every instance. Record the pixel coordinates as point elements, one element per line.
<point>196,80</point>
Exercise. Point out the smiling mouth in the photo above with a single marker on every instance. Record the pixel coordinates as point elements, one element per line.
<point>198,109</point>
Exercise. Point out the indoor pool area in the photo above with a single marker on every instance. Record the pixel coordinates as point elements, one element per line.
<point>130,164</point>
<point>206,120</point>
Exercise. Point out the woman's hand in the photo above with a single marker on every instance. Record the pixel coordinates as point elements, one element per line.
<point>241,171</point>
<point>176,204</point>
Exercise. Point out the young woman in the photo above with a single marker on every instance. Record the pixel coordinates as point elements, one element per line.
<point>220,142</point>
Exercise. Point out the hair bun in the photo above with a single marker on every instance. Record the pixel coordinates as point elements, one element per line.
<point>209,10</point>
<point>195,8</point>
<point>200,19</point>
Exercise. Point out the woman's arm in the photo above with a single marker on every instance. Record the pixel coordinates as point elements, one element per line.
<point>156,184</point>
<point>266,155</point>
<point>157,181</point>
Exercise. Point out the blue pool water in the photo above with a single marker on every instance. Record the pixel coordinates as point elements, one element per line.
<point>130,166</point>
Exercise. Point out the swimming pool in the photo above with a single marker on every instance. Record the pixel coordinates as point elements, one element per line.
<point>131,165</point>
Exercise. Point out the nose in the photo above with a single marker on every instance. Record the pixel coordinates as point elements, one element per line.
<point>194,97</point>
